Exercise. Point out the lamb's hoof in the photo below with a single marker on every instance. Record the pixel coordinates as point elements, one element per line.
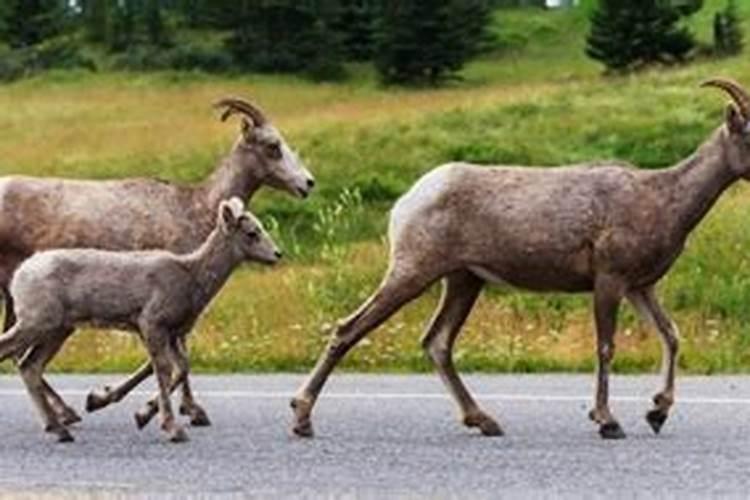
<point>487,425</point>
<point>611,430</point>
<point>97,400</point>
<point>178,435</point>
<point>656,419</point>
<point>302,425</point>
<point>62,434</point>
<point>198,416</point>
<point>141,419</point>
<point>69,417</point>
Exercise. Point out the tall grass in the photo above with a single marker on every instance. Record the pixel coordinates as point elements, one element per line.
<point>537,101</point>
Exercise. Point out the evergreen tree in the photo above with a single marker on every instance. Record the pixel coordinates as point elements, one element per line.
<point>356,26</point>
<point>627,34</point>
<point>728,36</point>
<point>156,30</point>
<point>97,17</point>
<point>428,41</point>
<point>29,22</point>
<point>286,36</point>
<point>122,33</point>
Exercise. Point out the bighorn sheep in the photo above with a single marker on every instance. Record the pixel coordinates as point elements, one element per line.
<point>155,293</point>
<point>136,214</point>
<point>608,229</point>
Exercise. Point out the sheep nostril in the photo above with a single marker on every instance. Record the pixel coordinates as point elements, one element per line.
<point>278,254</point>
<point>310,183</point>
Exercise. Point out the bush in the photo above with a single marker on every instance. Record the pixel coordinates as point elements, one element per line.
<point>183,57</point>
<point>728,34</point>
<point>53,54</point>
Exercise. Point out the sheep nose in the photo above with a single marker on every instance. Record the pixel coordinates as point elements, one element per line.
<point>310,183</point>
<point>278,254</point>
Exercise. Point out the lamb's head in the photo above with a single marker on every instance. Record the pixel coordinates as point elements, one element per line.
<point>262,148</point>
<point>248,238</point>
<point>736,130</point>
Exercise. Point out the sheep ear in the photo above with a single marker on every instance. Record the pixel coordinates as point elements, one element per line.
<point>227,218</point>
<point>248,129</point>
<point>735,121</point>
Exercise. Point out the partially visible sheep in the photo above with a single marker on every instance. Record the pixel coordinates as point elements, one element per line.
<point>155,293</point>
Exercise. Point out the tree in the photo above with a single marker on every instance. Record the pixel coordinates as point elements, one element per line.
<point>728,36</point>
<point>29,22</point>
<point>628,34</point>
<point>97,18</point>
<point>356,25</point>
<point>426,42</point>
<point>286,36</point>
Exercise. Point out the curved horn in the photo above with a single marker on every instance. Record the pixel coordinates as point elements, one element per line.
<point>735,90</point>
<point>236,105</point>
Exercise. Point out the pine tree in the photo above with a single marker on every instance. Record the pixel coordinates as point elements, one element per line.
<point>156,30</point>
<point>356,26</point>
<point>122,33</point>
<point>728,36</point>
<point>425,42</point>
<point>97,20</point>
<point>29,22</point>
<point>627,34</point>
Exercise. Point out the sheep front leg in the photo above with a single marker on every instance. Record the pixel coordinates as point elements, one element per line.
<point>607,298</point>
<point>158,348</point>
<point>198,416</point>
<point>181,365</point>
<point>100,398</point>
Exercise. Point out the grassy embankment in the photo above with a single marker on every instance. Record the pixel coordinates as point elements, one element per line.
<point>538,101</point>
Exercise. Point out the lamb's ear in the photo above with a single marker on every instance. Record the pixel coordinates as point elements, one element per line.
<point>228,218</point>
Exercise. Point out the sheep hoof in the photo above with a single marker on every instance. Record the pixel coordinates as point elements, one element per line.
<point>656,419</point>
<point>303,426</point>
<point>97,400</point>
<point>178,435</point>
<point>62,434</point>
<point>69,417</point>
<point>199,418</point>
<point>141,419</point>
<point>303,429</point>
<point>611,430</point>
<point>487,425</point>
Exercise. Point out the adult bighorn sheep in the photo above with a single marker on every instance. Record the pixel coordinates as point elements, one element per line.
<point>133,214</point>
<point>155,293</point>
<point>609,229</point>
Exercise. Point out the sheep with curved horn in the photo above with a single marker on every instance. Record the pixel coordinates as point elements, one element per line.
<point>134,214</point>
<point>608,229</point>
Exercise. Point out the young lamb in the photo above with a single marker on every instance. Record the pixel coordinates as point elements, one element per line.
<point>608,229</point>
<point>157,294</point>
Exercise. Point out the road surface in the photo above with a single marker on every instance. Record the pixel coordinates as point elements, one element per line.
<point>390,435</point>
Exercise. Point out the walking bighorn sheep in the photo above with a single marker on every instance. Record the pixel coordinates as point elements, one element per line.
<point>136,214</point>
<point>605,228</point>
<point>155,293</point>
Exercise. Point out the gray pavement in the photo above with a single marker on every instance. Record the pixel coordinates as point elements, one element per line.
<point>390,436</point>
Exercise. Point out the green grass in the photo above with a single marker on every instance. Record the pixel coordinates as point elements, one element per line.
<point>536,100</point>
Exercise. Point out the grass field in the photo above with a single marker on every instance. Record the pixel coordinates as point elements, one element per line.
<point>537,101</point>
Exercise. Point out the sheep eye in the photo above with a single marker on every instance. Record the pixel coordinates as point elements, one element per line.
<point>252,234</point>
<point>273,151</point>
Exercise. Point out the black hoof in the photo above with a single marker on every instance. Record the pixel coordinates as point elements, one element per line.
<point>611,430</point>
<point>69,418</point>
<point>199,418</point>
<point>656,419</point>
<point>303,430</point>
<point>141,419</point>
<point>96,401</point>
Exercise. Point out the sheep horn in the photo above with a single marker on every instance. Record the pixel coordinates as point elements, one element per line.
<point>236,105</point>
<point>735,90</point>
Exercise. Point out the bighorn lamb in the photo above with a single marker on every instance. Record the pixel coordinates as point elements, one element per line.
<point>608,229</point>
<point>135,214</point>
<point>155,293</point>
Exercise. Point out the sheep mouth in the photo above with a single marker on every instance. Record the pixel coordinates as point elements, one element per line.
<point>303,193</point>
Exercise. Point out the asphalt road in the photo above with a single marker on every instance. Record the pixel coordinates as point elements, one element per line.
<point>390,435</point>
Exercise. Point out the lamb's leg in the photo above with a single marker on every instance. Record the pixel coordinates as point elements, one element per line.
<point>32,368</point>
<point>397,289</point>
<point>460,292</point>
<point>99,398</point>
<point>198,416</point>
<point>648,306</point>
<point>180,377</point>
<point>158,346</point>
<point>65,414</point>
<point>607,298</point>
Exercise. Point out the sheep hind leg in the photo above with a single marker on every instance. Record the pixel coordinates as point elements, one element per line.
<point>460,292</point>
<point>397,289</point>
<point>159,350</point>
<point>32,368</point>
<point>101,398</point>
<point>646,303</point>
<point>196,413</point>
